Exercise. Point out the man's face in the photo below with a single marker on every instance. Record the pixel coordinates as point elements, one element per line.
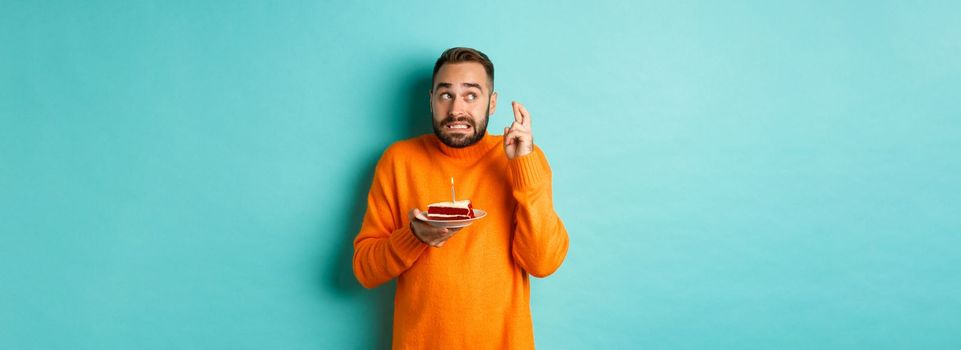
<point>460,100</point>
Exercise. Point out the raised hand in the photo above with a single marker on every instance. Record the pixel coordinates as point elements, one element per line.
<point>518,139</point>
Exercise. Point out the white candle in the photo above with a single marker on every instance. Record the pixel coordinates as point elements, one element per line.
<point>452,198</point>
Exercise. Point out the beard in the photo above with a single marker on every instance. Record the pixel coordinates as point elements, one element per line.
<point>459,140</point>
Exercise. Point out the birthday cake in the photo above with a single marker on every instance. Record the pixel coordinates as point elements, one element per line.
<point>457,210</point>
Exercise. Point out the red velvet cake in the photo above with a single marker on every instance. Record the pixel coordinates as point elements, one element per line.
<point>459,210</point>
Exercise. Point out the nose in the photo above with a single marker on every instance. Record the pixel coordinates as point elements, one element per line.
<point>458,108</point>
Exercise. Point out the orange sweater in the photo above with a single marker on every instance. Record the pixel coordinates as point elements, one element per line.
<point>474,292</point>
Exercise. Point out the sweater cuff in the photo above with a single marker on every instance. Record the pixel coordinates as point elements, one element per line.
<point>406,245</point>
<point>528,170</point>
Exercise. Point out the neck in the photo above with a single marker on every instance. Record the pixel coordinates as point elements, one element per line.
<point>478,148</point>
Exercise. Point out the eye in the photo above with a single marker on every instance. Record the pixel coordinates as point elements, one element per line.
<point>471,96</point>
<point>445,96</point>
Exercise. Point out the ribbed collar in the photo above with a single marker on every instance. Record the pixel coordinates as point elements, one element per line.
<point>473,151</point>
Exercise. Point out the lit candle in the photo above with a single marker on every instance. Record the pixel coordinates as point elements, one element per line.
<point>452,198</point>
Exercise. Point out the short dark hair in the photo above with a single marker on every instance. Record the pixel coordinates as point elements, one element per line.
<point>464,54</point>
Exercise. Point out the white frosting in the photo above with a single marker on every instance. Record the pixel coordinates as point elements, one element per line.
<point>446,216</point>
<point>457,204</point>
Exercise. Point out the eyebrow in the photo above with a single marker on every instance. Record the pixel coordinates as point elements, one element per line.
<point>469,85</point>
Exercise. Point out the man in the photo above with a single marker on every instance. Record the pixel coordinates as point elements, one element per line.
<point>462,288</point>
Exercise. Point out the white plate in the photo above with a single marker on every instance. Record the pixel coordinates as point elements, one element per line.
<point>478,214</point>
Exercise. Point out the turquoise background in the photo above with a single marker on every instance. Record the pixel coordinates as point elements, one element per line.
<point>743,175</point>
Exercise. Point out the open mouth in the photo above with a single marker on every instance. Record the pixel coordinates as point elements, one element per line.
<point>458,127</point>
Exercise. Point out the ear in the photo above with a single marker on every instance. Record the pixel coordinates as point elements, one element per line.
<point>430,101</point>
<point>493,103</point>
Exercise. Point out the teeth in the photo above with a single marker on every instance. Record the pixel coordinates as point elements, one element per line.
<point>458,126</point>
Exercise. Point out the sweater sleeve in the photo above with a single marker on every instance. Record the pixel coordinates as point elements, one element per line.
<point>540,239</point>
<point>385,247</point>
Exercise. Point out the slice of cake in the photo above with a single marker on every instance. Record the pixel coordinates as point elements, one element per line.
<point>459,210</point>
